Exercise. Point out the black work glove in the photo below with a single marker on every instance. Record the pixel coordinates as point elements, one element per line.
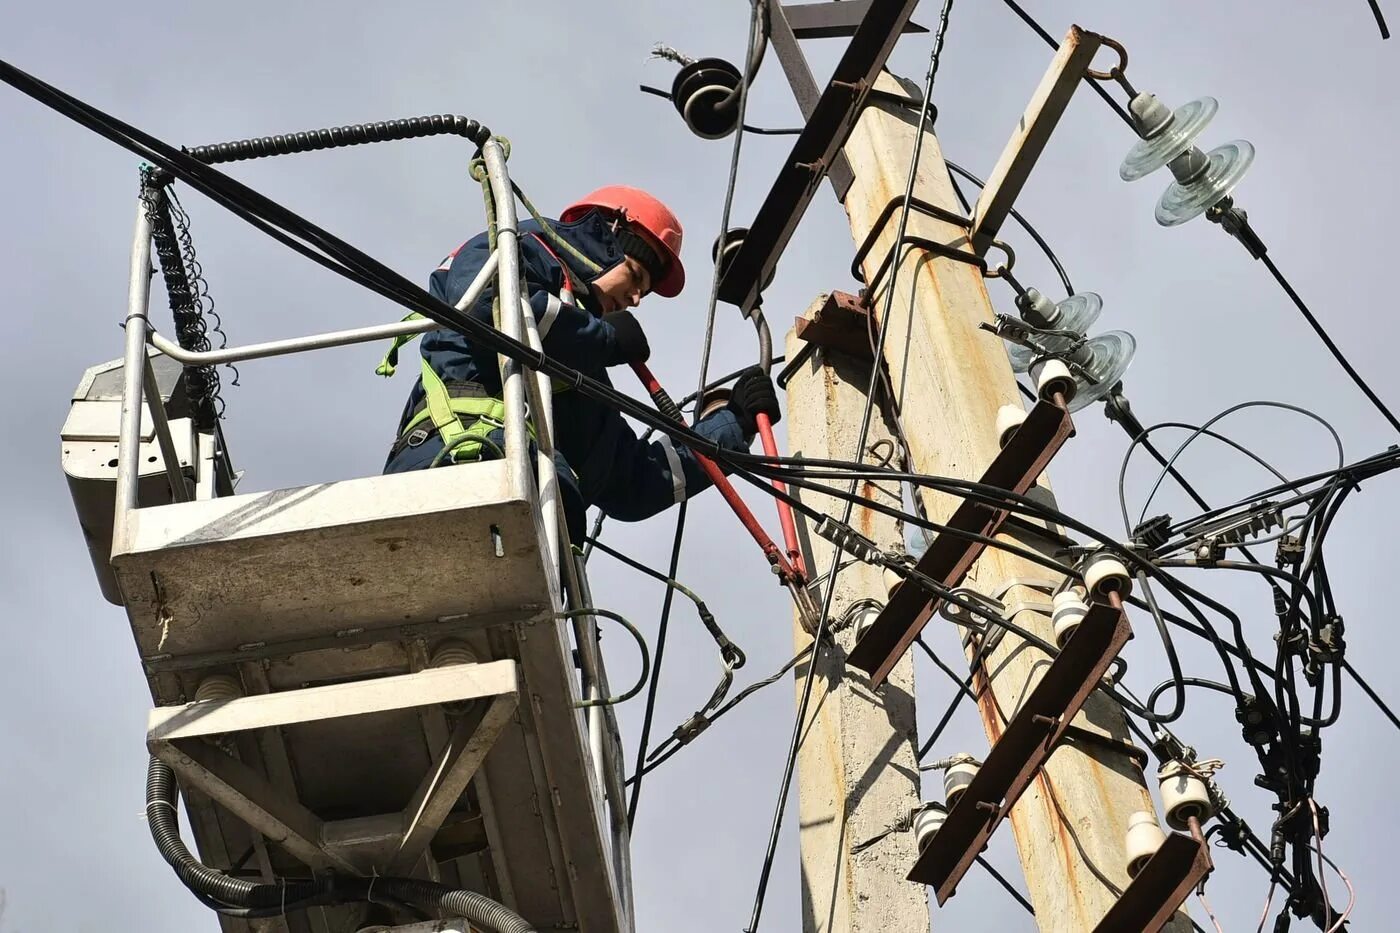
<point>754,394</point>
<point>632,346</point>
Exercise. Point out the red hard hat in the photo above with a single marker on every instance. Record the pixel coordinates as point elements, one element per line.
<point>641,210</point>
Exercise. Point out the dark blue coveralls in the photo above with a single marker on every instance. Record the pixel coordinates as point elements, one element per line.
<point>599,457</point>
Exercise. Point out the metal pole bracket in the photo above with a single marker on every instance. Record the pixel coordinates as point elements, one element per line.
<point>1025,745</point>
<point>1160,887</point>
<point>950,556</point>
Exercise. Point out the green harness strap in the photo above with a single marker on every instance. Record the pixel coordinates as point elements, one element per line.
<point>460,442</point>
<point>390,363</point>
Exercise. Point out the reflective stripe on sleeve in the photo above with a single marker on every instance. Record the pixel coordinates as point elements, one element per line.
<point>673,460</point>
<point>551,311</point>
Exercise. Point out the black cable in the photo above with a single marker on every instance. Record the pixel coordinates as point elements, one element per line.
<point>943,666</point>
<point>1327,341</point>
<point>757,130</point>
<point>333,253</point>
<point>757,33</point>
<point>1050,41</point>
<point>1173,662</point>
<point>1025,225</point>
<point>1006,885</point>
<point>862,435</point>
<point>1366,688</point>
<point>674,744</point>
<point>1380,18</point>
<point>653,687</point>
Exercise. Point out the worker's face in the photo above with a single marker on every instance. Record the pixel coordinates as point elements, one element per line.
<point>622,286</point>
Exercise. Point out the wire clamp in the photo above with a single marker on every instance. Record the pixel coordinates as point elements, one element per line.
<point>851,541</point>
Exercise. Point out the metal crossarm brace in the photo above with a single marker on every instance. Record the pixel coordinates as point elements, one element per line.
<point>180,736</point>
<point>817,148</point>
<point>831,20</point>
<point>1160,887</point>
<point>1022,750</point>
<point>949,557</point>
<point>1066,72</point>
<point>841,323</point>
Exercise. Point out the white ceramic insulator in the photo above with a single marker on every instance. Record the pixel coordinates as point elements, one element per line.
<point>927,822</point>
<point>1052,376</point>
<point>865,617</point>
<point>1069,610</point>
<point>1009,418</point>
<point>1106,574</point>
<point>1184,795</point>
<point>218,687</point>
<point>453,652</point>
<point>956,779</point>
<point>1143,840</point>
<point>892,581</point>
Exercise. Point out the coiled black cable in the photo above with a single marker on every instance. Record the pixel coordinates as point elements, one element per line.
<point>336,136</point>
<point>208,882</point>
<point>201,382</point>
<point>240,898</point>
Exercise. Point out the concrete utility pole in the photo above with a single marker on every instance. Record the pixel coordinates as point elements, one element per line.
<point>950,379</point>
<point>856,769</point>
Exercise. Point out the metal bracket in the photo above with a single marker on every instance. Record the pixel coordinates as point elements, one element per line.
<point>831,20</point>
<point>1025,745</point>
<point>949,557</point>
<point>180,736</point>
<point>842,323</point>
<point>1160,888</point>
<point>829,125</point>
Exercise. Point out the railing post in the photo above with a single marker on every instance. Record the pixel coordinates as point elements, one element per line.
<point>508,291</point>
<point>134,365</point>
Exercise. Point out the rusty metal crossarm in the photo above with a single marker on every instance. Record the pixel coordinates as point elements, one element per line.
<point>1160,888</point>
<point>831,20</point>
<point>1023,749</point>
<point>828,127</point>
<point>949,557</point>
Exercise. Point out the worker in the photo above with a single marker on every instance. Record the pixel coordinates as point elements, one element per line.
<point>586,322</point>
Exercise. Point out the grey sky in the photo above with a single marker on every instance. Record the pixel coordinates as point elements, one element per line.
<point>1313,90</point>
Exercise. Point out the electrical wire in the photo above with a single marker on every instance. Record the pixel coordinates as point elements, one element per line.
<point>678,741</point>
<point>334,254</point>
<point>1006,885</point>
<point>1327,341</point>
<point>641,647</point>
<point>1024,224</point>
<point>1380,18</point>
<point>862,436</point>
<point>757,19</point>
<point>757,130</point>
<point>1050,41</point>
<point>662,629</point>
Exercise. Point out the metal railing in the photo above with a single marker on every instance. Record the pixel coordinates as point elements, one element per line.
<point>519,383</point>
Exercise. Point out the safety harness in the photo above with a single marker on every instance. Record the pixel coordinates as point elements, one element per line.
<point>462,414</point>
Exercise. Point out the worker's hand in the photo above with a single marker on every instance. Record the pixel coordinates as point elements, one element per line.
<point>753,395</point>
<point>631,341</point>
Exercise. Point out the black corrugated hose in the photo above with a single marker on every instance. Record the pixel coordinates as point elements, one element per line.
<point>240,898</point>
<point>336,136</point>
